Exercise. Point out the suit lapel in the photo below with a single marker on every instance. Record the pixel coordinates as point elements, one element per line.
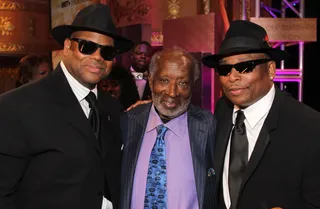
<point>137,121</point>
<point>198,134</point>
<point>224,126</point>
<point>264,139</point>
<point>69,106</point>
<point>147,92</point>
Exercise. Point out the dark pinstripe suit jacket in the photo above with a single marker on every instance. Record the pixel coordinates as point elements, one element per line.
<point>201,125</point>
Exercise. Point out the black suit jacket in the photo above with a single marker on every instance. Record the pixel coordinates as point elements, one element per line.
<point>284,169</point>
<point>146,92</point>
<point>49,155</point>
<point>201,125</point>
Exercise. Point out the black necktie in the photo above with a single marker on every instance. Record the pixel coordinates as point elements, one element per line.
<point>94,113</point>
<point>238,157</point>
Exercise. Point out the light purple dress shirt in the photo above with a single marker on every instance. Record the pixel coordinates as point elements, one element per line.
<point>181,187</point>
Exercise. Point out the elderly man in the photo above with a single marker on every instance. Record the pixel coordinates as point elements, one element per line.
<point>268,144</point>
<point>60,144</point>
<point>169,142</point>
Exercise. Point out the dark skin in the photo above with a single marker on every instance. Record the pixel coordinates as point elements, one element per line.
<point>141,57</point>
<point>171,85</point>
<point>87,69</point>
<point>245,89</point>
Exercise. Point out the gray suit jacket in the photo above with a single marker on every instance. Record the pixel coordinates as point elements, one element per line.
<point>201,125</point>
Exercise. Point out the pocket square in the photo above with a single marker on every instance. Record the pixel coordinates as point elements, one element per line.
<point>211,172</point>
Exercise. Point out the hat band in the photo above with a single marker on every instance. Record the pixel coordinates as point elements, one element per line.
<point>243,42</point>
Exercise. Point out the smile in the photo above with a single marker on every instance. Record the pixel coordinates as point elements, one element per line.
<point>169,104</point>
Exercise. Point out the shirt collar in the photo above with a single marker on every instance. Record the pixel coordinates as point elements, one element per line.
<point>177,125</point>
<point>78,89</point>
<point>255,112</point>
<point>136,75</point>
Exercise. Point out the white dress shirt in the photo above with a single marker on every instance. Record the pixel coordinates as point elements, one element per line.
<point>255,116</point>
<point>140,82</point>
<point>81,92</point>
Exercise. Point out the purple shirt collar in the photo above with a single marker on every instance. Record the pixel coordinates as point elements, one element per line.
<point>177,125</point>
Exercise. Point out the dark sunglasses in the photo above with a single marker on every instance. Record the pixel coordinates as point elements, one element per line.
<point>242,67</point>
<point>88,47</point>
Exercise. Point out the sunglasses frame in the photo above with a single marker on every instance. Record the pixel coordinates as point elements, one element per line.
<point>241,67</point>
<point>102,47</point>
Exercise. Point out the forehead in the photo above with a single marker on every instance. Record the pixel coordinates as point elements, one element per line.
<point>93,36</point>
<point>142,48</point>
<point>177,65</point>
<point>241,58</point>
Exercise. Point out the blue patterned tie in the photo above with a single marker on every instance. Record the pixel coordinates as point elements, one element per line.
<point>156,188</point>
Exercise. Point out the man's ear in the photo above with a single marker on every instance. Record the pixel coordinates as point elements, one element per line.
<point>272,69</point>
<point>66,46</point>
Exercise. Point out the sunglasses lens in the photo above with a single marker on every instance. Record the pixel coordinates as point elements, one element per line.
<point>244,67</point>
<point>87,47</point>
<point>224,70</point>
<point>108,52</point>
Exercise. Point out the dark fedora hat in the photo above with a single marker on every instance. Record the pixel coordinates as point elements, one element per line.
<point>244,37</point>
<point>94,18</point>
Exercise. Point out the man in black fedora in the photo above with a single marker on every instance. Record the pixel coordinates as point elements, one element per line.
<point>60,144</point>
<point>268,144</point>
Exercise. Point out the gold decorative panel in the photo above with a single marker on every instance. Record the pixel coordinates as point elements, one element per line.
<point>6,26</point>
<point>127,12</point>
<point>206,6</point>
<point>10,47</point>
<point>173,8</point>
<point>10,5</point>
<point>157,39</point>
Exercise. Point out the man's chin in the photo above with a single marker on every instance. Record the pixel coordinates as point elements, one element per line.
<point>140,69</point>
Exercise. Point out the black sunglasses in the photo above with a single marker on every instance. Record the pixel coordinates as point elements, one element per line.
<point>242,67</point>
<point>88,47</point>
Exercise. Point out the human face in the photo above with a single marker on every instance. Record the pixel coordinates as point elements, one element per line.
<point>42,71</point>
<point>111,86</point>
<point>141,58</point>
<point>87,69</point>
<point>244,89</point>
<point>171,87</point>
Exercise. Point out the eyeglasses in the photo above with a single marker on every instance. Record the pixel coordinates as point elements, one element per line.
<point>242,67</point>
<point>88,47</point>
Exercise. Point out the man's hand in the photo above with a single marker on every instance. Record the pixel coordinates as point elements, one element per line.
<point>140,102</point>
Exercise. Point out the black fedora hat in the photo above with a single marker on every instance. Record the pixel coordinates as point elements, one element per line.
<point>94,18</point>
<point>244,37</point>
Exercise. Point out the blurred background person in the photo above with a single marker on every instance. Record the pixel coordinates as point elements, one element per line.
<point>140,60</point>
<point>33,67</point>
<point>121,85</point>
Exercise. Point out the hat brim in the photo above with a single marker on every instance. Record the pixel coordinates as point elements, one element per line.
<point>274,53</point>
<point>60,33</point>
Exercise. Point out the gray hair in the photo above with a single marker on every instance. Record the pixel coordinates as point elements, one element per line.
<point>176,52</point>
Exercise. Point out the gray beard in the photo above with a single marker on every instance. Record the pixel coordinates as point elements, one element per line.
<point>170,113</point>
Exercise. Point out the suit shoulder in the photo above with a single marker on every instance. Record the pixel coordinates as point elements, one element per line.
<point>23,94</point>
<point>141,109</point>
<point>202,114</point>
<point>299,110</point>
